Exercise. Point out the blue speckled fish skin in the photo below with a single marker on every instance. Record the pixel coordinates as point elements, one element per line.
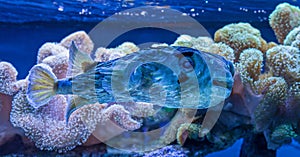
<point>154,82</point>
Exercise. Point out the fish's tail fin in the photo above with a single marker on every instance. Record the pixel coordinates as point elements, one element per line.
<point>42,85</point>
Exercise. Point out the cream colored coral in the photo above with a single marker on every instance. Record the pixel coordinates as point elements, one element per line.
<point>250,65</point>
<point>275,90</point>
<point>8,75</point>
<point>184,40</point>
<point>59,64</point>
<point>82,41</point>
<point>50,49</point>
<point>284,61</point>
<point>283,19</point>
<point>105,54</point>
<point>128,47</point>
<point>223,50</point>
<point>240,36</point>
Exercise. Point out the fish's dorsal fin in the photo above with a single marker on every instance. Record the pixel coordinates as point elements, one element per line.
<point>79,62</point>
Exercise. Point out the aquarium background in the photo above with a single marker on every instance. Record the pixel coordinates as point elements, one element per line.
<point>26,25</point>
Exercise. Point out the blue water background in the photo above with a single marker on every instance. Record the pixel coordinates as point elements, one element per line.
<point>26,25</point>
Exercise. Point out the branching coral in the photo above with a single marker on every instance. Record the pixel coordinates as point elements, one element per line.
<point>240,36</point>
<point>283,19</point>
<point>81,39</point>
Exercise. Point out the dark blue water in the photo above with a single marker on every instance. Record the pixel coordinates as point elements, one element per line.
<point>26,25</point>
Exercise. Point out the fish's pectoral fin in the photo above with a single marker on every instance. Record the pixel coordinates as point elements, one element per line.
<point>79,62</point>
<point>74,103</point>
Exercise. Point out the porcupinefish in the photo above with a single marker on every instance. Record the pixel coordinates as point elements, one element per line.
<point>162,76</point>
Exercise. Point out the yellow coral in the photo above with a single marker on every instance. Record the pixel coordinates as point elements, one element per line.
<point>283,19</point>
<point>240,36</point>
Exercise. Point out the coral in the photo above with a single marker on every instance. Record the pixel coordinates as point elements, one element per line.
<point>157,45</point>
<point>283,19</point>
<point>58,135</point>
<point>240,36</point>
<point>128,47</point>
<point>59,64</point>
<point>187,130</point>
<point>82,41</point>
<point>292,36</point>
<point>184,40</point>
<point>284,61</point>
<point>172,150</point>
<point>8,75</point>
<point>271,44</point>
<point>139,109</point>
<point>282,133</point>
<point>275,89</point>
<point>120,116</point>
<point>223,50</point>
<point>250,65</point>
<point>50,49</point>
<point>199,43</point>
<point>104,54</point>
